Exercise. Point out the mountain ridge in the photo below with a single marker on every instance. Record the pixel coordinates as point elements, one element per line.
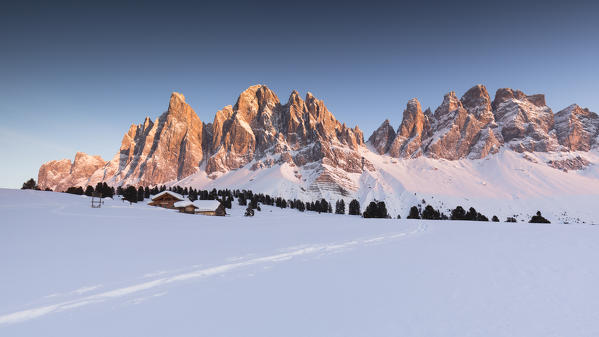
<point>260,132</point>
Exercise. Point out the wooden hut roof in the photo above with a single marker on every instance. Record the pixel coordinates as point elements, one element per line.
<point>176,195</point>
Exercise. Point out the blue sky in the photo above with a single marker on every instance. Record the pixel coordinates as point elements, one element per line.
<point>75,76</point>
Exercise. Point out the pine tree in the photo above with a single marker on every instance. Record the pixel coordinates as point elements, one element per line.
<point>430,213</point>
<point>538,218</point>
<point>371,210</point>
<point>29,185</point>
<point>89,191</point>
<point>130,194</point>
<point>471,215</point>
<point>354,207</point>
<point>340,207</point>
<point>458,213</point>
<point>382,210</point>
<point>140,194</point>
<point>414,213</point>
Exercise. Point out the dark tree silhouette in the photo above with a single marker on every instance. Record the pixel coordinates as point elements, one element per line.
<point>538,218</point>
<point>29,185</point>
<point>75,190</point>
<point>414,213</point>
<point>354,207</point>
<point>430,213</point>
<point>89,191</point>
<point>130,194</point>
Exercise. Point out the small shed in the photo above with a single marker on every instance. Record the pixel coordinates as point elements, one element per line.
<point>185,206</point>
<point>166,199</point>
<point>209,207</point>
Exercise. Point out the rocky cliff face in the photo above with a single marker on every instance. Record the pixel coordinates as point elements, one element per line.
<point>259,131</point>
<point>62,174</point>
<point>577,128</point>
<point>168,149</point>
<point>474,127</point>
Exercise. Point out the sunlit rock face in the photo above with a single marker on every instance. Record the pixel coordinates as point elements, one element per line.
<point>169,148</point>
<point>382,138</point>
<point>59,175</point>
<point>414,127</point>
<point>577,128</point>
<point>474,127</point>
<point>526,123</point>
<point>259,132</point>
<point>459,128</point>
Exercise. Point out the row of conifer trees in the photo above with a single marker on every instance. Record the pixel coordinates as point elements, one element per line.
<point>375,209</point>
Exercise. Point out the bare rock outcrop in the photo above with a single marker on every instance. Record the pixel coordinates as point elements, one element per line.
<point>382,138</point>
<point>577,128</point>
<point>576,163</point>
<point>526,123</point>
<point>59,175</point>
<point>414,127</point>
<point>157,152</point>
<point>52,173</point>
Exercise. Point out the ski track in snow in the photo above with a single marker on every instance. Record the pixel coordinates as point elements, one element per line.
<point>306,251</point>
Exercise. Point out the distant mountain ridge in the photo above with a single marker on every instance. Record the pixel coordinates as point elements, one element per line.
<point>321,153</point>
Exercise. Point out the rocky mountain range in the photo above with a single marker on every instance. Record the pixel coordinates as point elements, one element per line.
<point>260,132</point>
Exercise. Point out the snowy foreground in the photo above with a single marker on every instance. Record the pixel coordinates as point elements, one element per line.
<point>70,270</point>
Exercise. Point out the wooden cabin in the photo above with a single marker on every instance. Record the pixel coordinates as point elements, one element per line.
<point>166,199</point>
<point>209,207</point>
<point>185,206</point>
<point>204,207</point>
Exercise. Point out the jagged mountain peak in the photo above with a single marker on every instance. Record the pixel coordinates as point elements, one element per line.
<point>178,96</point>
<point>505,94</point>
<point>450,103</point>
<point>476,98</point>
<point>254,101</point>
<point>259,132</point>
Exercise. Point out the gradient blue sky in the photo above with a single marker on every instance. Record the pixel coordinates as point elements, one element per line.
<point>74,76</point>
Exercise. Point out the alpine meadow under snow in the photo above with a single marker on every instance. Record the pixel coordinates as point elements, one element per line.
<point>72,270</point>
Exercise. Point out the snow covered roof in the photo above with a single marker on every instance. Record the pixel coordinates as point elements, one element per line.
<point>206,205</point>
<point>183,203</point>
<point>176,195</point>
<point>200,205</point>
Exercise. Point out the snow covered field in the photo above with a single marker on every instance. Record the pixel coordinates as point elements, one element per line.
<point>70,270</point>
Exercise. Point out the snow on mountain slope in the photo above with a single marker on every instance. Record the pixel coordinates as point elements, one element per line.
<point>123,270</point>
<point>504,184</point>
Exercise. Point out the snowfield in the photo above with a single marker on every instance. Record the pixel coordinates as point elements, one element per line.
<point>506,184</point>
<point>135,270</point>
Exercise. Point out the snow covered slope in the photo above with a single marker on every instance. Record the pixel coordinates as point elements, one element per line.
<point>504,184</point>
<point>121,270</point>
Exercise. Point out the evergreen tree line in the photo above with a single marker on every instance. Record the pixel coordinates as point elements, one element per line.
<point>375,209</point>
<point>459,213</point>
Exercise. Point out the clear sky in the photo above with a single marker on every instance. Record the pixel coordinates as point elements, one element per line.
<point>74,76</point>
